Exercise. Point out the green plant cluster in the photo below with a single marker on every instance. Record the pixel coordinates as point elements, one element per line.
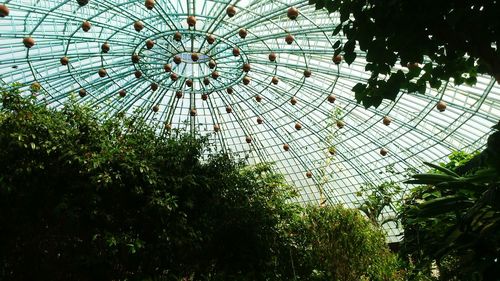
<point>337,243</point>
<point>89,199</point>
<point>379,198</point>
<point>85,196</point>
<point>433,41</point>
<point>453,218</point>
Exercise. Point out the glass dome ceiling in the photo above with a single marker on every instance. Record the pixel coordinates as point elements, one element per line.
<point>248,74</point>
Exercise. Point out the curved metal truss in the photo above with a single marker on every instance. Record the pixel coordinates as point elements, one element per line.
<point>256,76</point>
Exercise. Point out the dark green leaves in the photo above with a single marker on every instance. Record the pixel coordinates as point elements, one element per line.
<point>336,44</point>
<point>394,85</point>
<point>95,197</point>
<point>330,5</point>
<point>333,5</point>
<point>442,205</point>
<point>442,169</point>
<point>337,29</point>
<point>453,214</point>
<point>350,57</point>
<point>455,41</point>
<point>497,126</point>
<point>359,91</point>
<point>349,53</point>
<point>340,244</point>
<point>320,4</point>
<point>107,198</point>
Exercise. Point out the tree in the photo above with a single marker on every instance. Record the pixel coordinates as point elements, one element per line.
<point>433,41</point>
<point>85,196</point>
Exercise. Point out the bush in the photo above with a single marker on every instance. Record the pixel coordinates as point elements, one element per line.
<point>336,243</point>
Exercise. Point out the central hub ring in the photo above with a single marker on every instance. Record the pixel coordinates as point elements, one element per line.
<point>190,68</point>
<point>191,57</point>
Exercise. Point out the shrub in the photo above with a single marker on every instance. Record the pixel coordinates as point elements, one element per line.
<point>336,243</point>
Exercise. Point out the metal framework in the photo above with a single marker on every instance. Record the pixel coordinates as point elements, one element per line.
<point>122,56</point>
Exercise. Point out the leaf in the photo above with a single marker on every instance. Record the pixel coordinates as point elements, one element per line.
<point>490,227</point>
<point>349,46</point>
<point>320,4</point>
<point>344,14</point>
<point>497,126</point>
<point>332,5</point>
<point>359,91</point>
<point>337,30</point>
<point>336,44</point>
<point>442,205</point>
<point>482,176</point>
<point>435,83</point>
<point>360,96</point>
<point>349,54</point>
<point>442,169</point>
<point>350,57</point>
<point>337,51</point>
<point>421,89</point>
<point>375,101</point>
<point>393,85</point>
<point>471,81</point>
<point>434,177</point>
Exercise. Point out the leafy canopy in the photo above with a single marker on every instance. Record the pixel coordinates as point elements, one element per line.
<point>433,41</point>
<point>90,197</point>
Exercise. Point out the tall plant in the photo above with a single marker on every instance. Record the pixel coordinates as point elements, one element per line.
<point>332,137</point>
<point>454,218</point>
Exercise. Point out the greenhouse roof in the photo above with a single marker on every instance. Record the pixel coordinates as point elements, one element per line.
<point>257,77</point>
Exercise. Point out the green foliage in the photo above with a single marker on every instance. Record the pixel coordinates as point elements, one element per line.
<point>240,222</point>
<point>90,197</point>
<point>379,198</point>
<point>457,159</point>
<point>434,41</point>
<point>497,126</point>
<point>336,243</point>
<point>454,217</point>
